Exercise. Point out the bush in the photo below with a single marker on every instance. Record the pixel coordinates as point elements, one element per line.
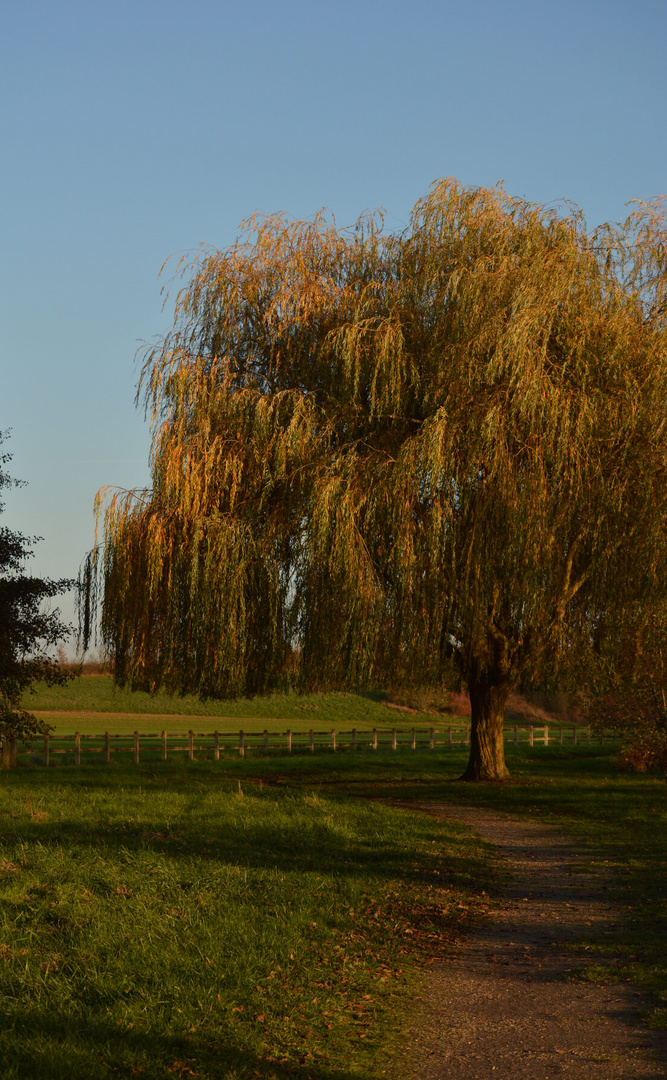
<point>639,715</point>
<point>646,751</point>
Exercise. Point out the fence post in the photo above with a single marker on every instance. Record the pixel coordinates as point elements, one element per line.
<point>531,735</point>
<point>164,745</point>
<point>191,748</point>
<point>393,738</point>
<point>46,749</point>
<point>354,738</point>
<point>266,739</point>
<point>560,734</point>
<point>432,740</point>
<point>77,748</point>
<point>574,734</point>
<point>413,741</point>
<point>467,736</point>
<point>333,739</point>
<point>107,748</point>
<point>546,734</point>
<point>216,746</point>
<point>241,745</point>
<point>516,734</point>
<point>375,738</point>
<point>449,735</point>
<point>312,741</point>
<point>588,734</point>
<point>136,748</point>
<point>289,741</point>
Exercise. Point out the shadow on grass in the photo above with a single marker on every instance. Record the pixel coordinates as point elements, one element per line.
<point>43,1047</point>
<point>267,843</point>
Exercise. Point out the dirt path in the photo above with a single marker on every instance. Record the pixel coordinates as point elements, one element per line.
<point>504,1010</point>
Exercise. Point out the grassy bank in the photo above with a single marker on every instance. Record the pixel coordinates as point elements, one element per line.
<point>191,922</point>
<point>98,694</point>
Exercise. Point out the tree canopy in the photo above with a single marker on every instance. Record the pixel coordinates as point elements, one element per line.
<point>396,458</point>
<point>27,631</point>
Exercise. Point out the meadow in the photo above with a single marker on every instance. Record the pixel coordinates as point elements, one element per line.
<point>76,705</point>
<point>210,922</point>
<point>270,916</point>
<point>98,693</point>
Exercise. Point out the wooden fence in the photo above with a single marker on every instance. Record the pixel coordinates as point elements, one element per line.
<point>159,746</point>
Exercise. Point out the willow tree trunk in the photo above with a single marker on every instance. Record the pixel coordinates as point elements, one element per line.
<point>487,746</point>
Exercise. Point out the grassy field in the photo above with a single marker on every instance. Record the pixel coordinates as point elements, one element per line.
<point>97,694</point>
<point>267,917</point>
<point>190,922</point>
<point>94,723</point>
<point>93,704</point>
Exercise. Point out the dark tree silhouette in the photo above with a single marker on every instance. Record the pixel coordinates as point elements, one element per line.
<point>27,632</point>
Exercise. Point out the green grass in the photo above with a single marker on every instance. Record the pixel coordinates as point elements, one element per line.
<point>93,723</point>
<point>186,921</point>
<point>93,704</point>
<point>128,893</point>
<point>99,694</point>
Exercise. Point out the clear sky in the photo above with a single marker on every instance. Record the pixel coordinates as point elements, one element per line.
<point>135,130</point>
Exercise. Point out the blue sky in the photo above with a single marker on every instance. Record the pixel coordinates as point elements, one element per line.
<point>133,131</point>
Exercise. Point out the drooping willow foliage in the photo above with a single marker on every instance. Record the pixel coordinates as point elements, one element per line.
<point>376,454</point>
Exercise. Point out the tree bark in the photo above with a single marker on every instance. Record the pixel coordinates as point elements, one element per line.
<point>8,754</point>
<point>488,697</point>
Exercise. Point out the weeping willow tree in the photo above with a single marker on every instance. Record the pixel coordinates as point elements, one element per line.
<point>378,458</point>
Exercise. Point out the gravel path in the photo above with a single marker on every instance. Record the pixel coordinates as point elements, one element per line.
<point>502,1010</point>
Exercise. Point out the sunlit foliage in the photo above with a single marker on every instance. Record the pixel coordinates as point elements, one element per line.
<point>376,456</point>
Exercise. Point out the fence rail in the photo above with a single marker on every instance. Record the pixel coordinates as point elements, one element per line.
<point>160,745</point>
